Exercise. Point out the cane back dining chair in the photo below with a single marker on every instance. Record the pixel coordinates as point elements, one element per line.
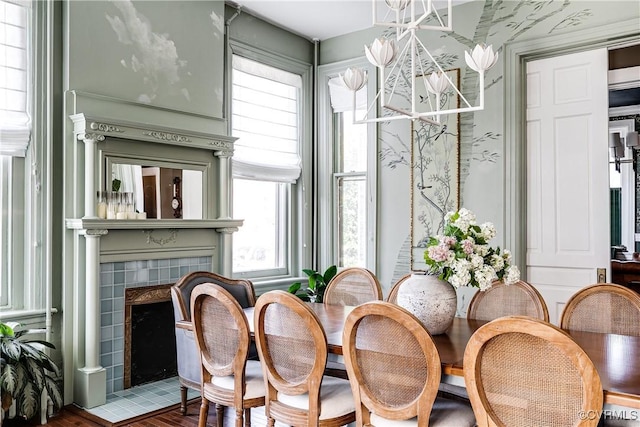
<point>499,300</point>
<point>188,358</point>
<point>222,336</point>
<point>353,286</point>
<point>393,293</point>
<point>521,371</point>
<point>603,307</point>
<point>394,369</point>
<point>292,346</point>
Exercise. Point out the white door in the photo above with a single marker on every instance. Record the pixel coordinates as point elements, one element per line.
<point>567,175</point>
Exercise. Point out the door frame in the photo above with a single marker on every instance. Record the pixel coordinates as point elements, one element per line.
<point>516,54</point>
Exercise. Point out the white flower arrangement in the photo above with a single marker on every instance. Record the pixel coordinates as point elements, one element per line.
<point>463,257</point>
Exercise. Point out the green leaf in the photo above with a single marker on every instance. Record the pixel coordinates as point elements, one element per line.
<point>308,271</point>
<point>9,379</point>
<point>12,349</point>
<point>43,342</point>
<point>37,373</point>
<point>312,281</point>
<point>295,287</point>
<point>329,274</point>
<point>115,184</point>
<point>54,391</point>
<point>29,401</point>
<point>304,297</point>
<point>6,330</point>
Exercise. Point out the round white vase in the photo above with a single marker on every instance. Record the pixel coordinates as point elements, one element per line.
<point>432,300</point>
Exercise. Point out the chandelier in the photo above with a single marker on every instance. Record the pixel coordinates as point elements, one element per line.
<point>425,88</point>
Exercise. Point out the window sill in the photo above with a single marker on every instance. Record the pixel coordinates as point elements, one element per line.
<point>262,286</point>
<point>24,316</point>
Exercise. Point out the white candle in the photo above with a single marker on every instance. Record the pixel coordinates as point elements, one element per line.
<point>142,215</point>
<point>121,215</point>
<point>102,210</point>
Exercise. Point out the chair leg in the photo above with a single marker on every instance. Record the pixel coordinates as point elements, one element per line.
<point>271,422</point>
<point>239,413</point>
<point>183,400</point>
<point>204,413</point>
<point>247,417</point>
<point>219,415</point>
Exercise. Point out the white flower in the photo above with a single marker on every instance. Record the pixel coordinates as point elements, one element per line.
<point>458,258</point>
<point>381,53</point>
<point>437,83</point>
<point>354,78</point>
<point>466,218</point>
<point>461,274</point>
<point>481,58</point>
<point>476,261</point>
<point>488,231</point>
<point>512,275</point>
<point>482,250</point>
<point>485,275</point>
<point>497,262</point>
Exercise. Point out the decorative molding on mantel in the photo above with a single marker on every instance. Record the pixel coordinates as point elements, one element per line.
<point>152,224</point>
<point>160,241</point>
<point>227,230</point>
<point>95,128</point>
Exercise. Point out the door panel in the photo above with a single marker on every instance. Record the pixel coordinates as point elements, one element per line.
<point>567,174</point>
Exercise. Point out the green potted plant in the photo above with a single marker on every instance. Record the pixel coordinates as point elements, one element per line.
<point>25,372</point>
<point>314,292</point>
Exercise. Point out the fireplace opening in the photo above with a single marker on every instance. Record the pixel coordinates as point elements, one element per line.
<point>153,343</point>
<point>150,339</point>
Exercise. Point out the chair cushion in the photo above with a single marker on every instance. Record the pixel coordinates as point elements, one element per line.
<point>335,395</point>
<point>253,379</point>
<point>445,413</point>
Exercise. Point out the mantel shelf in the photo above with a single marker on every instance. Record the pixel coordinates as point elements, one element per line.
<point>149,224</point>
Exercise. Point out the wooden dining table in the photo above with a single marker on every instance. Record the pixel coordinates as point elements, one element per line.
<point>616,357</point>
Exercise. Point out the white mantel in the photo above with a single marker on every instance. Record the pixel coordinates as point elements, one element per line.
<point>94,121</point>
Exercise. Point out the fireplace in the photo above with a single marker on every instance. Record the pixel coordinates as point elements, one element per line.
<point>149,335</point>
<point>107,257</point>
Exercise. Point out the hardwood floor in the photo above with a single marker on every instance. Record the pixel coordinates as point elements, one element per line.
<point>71,416</point>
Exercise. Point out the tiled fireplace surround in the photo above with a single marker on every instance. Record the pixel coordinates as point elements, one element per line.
<point>115,277</point>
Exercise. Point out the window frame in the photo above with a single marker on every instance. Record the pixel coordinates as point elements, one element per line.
<point>298,216</point>
<point>30,284</point>
<point>326,191</point>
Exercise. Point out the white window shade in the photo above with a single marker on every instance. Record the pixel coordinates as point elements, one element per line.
<point>15,121</point>
<point>265,105</point>
<point>342,98</point>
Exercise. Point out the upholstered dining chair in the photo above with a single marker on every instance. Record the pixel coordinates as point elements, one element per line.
<point>499,300</point>
<point>393,293</point>
<point>394,370</point>
<point>188,358</point>
<point>522,371</point>
<point>222,336</point>
<point>603,307</point>
<point>353,286</point>
<point>292,345</point>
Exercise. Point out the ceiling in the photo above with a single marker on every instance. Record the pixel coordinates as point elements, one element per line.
<point>318,19</point>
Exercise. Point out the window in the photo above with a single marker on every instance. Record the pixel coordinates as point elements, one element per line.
<point>265,117</point>
<point>347,172</point>
<point>14,139</point>
<point>25,216</point>
<point>350,188</point>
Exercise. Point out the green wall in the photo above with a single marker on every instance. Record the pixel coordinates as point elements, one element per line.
<point>482,134</point>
